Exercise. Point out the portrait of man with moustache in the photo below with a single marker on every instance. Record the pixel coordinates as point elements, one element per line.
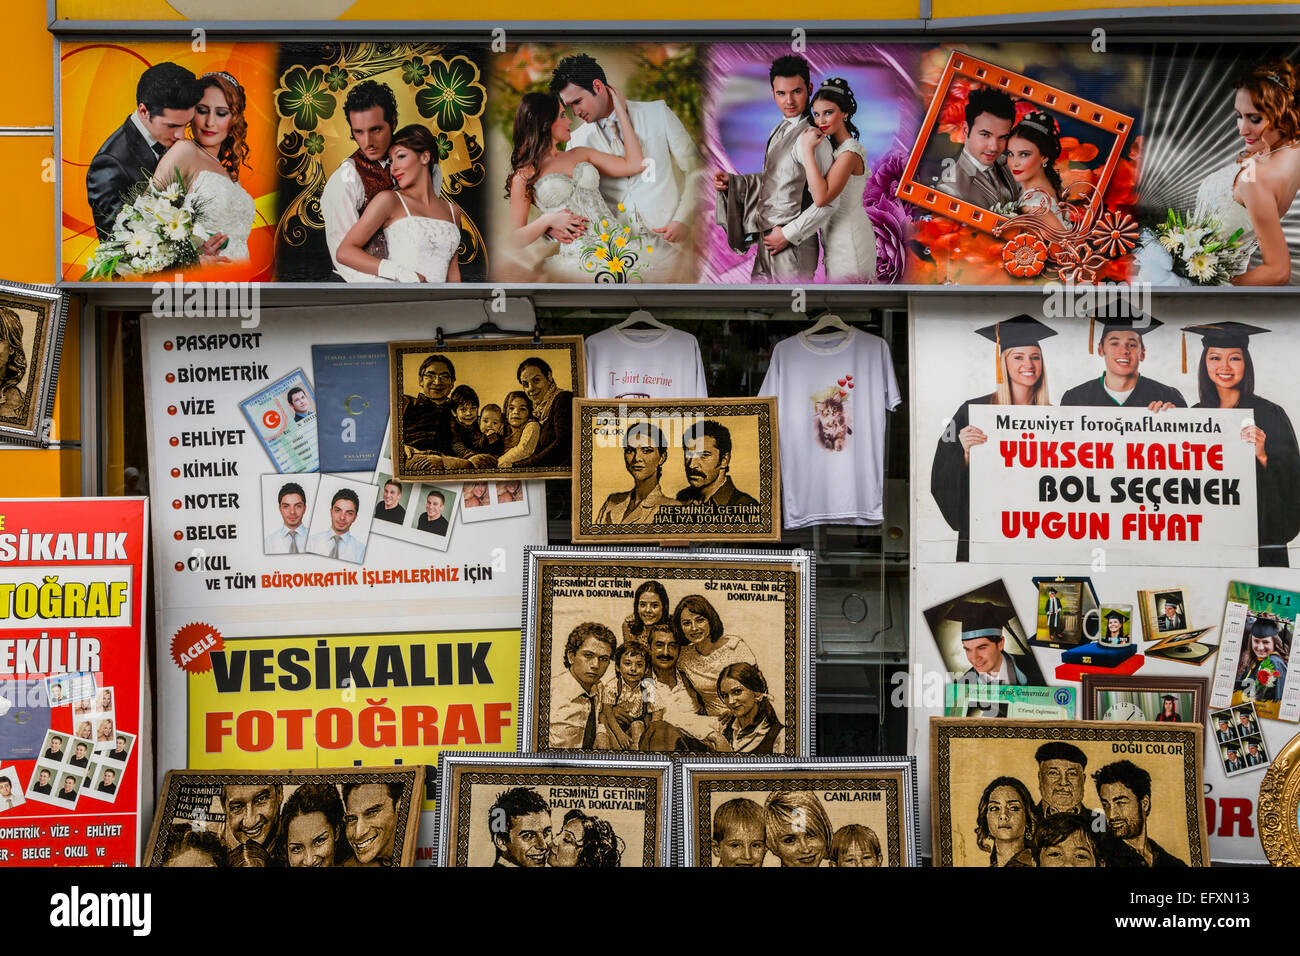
<point>252,814</point>
<point>708,462</point>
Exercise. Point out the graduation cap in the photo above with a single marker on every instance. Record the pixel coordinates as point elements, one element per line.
<point>1014,333</point>
<point>1221,335</point>
<point>980,619</point>
<point>1263,627</point>
<point>1134,320</point>
<point>1170,697</point>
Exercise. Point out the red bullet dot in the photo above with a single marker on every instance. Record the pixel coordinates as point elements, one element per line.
<point>176,503</point>
<point>177,535</point>
<point>179,566</point>
<point>171,409</point>
<point>174,442</point>
<point>170,377</point>
<point>176,472</point>
<point>168,345</point>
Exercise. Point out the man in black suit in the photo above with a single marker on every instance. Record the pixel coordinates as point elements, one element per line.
<point>166,96</point>
<point>521,830</point>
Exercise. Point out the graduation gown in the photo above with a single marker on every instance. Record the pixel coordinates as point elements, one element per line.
<point>950,477</point>
<point>1146,391</point>
<point>1275,486</point>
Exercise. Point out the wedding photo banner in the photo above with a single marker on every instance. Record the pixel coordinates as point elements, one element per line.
<point>988,607</point>
<point>667,162</point>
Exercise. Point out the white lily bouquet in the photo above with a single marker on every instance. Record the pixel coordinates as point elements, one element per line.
<point>157,229</point>
<point>1200,251</point>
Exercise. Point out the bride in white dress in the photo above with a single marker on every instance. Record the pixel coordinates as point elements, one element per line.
<point>1268,120</point>
<point>563,184</point>
<point>422,229</point>
<point>848,239</point>
<point>1033,148</point>
<point>209,165</point>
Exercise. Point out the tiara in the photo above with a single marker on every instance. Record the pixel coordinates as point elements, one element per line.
<point>1038,126</point>
<point>225,76</point>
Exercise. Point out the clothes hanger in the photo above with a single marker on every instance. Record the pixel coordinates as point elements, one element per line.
<point>641,317</point>
<point>484,328</point>
<point>828,321</point>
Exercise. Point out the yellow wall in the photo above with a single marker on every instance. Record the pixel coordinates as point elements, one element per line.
<point>27,245</point>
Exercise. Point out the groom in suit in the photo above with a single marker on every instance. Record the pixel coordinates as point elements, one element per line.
<point>664,200</point>
<point>165,97</point>
<point>773,210</point>
<point>371,111</point>
<point>980,174</point>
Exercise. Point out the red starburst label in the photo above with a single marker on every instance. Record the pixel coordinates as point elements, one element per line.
<point>191,646</point>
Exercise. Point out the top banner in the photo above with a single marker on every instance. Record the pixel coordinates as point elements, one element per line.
<point>671,163</point>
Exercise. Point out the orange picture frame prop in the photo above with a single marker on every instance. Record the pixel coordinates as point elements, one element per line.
<point>961,64</point>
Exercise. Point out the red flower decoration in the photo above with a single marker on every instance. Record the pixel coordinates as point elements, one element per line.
<point>1024,256</point>
<point>1115,234</point>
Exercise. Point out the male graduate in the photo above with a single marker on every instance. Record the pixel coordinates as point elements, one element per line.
<point>1122,349</point>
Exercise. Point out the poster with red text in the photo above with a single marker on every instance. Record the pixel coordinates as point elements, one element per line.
<point>72,741</point>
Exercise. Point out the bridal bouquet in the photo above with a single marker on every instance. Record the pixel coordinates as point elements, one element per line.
<point>610,251</point>
<point>158,229</point>
<point>1200,251</point>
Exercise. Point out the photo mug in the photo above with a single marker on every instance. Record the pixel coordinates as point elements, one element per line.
<point>1109,624</point>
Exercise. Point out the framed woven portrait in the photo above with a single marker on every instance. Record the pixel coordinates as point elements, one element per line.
<point>31,345</point>
<point>636,650</point>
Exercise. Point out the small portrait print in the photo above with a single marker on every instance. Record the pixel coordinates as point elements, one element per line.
<point>1165,700</point>
<point>753,812</point>
<point>1265,653</point>
<point>287,503</point>
<point>104,700</point>
<point>43,782</point>
<point>342,519</point>
<point>430,515</point>
<point>1172,615</point>
<point>11,791</point>
<point>31,335</point>
<point>85,730</point>
<point>561,812</point>
<point>394,497</point>
<point>70,788</point>
<point>304,818</point>
<point>491,408</point>
<point>476,495</point>
<point>1062,603</point>
<point>119,750</point>
<point>664,470</point>
<point>103,731</point>
<point>505,499</point>
<point>80,755</point>
<point>55,748</point>
<point>509,492</point>
<point>435,519</point>
<point>1103,793</point>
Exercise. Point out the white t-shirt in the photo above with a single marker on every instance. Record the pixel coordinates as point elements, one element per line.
<point>832,394</point>
<point>644,363</point>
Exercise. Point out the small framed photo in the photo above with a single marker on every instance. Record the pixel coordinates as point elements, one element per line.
<point>627,649</point>
<point>759,811</point>
<point>32,320</point>
<point>352,816</point>
<point>960,165</point>
<point>675,471</point>
<point>1066,793</point>
<point>528,810</point>
<point>480,409</point>
<point>1278,817</point>
<point>1160,699</point>
<point>1063,602</point>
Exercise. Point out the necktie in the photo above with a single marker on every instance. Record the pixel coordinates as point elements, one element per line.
<point>589,732</point>
<point>613,134</point>
<point>159,149</point>
<point>293,542</point>
<point>334,551</point>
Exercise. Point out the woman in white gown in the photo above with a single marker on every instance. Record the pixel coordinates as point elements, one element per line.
<point>209,164</point>
<point>563,184</point>
<point>848,239</point>
<point>1268,120</point>
<point>421,228</point>
<point>1033,147</point>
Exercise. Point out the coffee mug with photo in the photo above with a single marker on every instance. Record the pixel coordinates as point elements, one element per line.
<point>1109,624</point>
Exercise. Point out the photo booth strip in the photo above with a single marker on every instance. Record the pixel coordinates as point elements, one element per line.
<point>961,64</point>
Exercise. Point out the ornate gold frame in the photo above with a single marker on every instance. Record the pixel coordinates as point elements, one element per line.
<point>1279,807</point>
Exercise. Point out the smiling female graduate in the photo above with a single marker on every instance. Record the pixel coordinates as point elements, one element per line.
<point>1226,379</point>
<point>1021,380</point>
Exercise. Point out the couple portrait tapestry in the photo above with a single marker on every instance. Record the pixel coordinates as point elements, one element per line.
<point>602,167</point>
<point>753,812</point>
<point>507,413</point>
<point>646,656</point>
<point>698,470</point>
<point>307,818</point>
<point>183,179</point>
<point>381,163</point>
<point>521,811</point>
<point>1085,793</point>
<point>813,196</point>
<point>1225,378</point>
